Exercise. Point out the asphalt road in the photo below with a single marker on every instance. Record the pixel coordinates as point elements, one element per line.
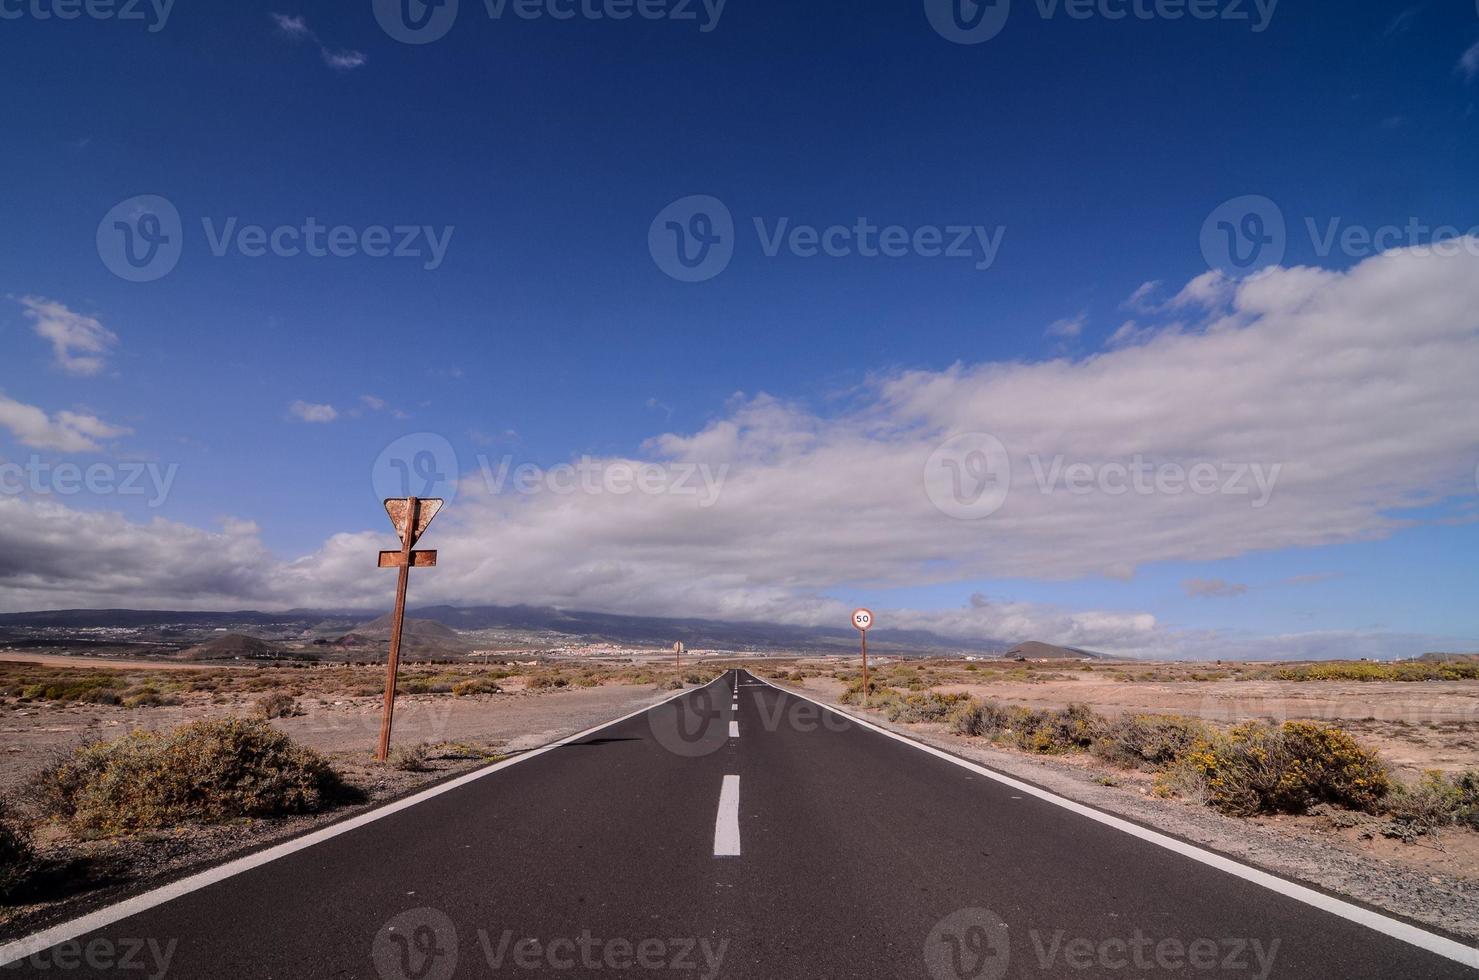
<point>804,846</point>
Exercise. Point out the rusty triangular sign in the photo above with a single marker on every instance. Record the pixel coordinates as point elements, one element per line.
<point>427,509</point>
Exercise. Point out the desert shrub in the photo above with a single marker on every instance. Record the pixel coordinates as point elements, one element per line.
<point>853,694</point>
<point>1423,807</point>
<point>1260,768</point>
<point>1410,670</point>
<point>1434,802</point>
<point>472,686</point>
<point>277,705</point>
<point>978,719</point>
<point>544,682</point>
<point>410,758</point>
<point>207,771</point>
<point>1148,741</point>
<point>928,706</point>
<point>670,684</point>
<point>17,858</point>
<point>94,689</point>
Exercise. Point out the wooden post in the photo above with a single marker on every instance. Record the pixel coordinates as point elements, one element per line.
<point>397,624</point>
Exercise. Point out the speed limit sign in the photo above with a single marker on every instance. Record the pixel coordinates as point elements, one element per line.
<point>862,619</point>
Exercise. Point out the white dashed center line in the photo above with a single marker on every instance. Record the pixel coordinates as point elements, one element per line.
<point>726,827</point>
<point>734,729</point>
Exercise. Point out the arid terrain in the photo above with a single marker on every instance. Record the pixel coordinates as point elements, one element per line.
<point>454,717</point>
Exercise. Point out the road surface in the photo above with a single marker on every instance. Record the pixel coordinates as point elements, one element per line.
<point>737,831</point>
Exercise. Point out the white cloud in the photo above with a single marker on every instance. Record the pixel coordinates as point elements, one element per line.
<point>67,432</point>
<point>1469,63</point>
<point>292,26</point>
<point>310,412</point>
<point>344,60</point>
<point>1358,384</point>
<point>79,343</point>
<point>295,27</point>
<point>1069,328</point>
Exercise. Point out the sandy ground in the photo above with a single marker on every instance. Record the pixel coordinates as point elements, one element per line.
<point>1435,883</point>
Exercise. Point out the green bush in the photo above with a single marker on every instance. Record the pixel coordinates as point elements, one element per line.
<point>17,858</point>
<point>1260,768</point>
<point>1148,741</point>
<point>206,771</point>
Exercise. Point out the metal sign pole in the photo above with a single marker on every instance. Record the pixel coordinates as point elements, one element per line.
<point>411,517</point>
<point>862,620</point>
<point>864,635</point>
<point>397,624</point>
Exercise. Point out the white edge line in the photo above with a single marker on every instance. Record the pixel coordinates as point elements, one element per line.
<point>726,824</point>
<point>19,949</point>
<point>1407,933</point>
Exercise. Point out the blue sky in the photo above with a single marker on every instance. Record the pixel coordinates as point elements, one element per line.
<point>545,148</point>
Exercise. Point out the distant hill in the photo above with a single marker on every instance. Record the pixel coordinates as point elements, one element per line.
<point>420,638</point>
<point>231,646</point>
<point>344,633</point>
<point>1449,657</point>
<point>1033,650</point>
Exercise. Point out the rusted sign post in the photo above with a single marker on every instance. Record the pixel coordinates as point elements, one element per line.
<point>411,516</point>
<point>678,653</point>
<point>863,620</point>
